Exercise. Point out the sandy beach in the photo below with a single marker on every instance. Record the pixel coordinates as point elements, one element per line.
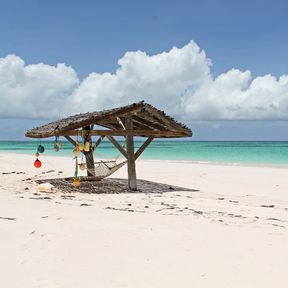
<point>228,230</point>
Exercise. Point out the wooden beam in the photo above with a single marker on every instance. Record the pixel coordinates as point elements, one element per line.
<point>121,123</point>
<point>144,146</point>
<point>98,142</point>
<point>131,156</point>
<point>72,141</point>
<point>165,119</point>
<point>141,126</point>
<point>126,132</point>
<point>118,146</point>
<point>144,120</point>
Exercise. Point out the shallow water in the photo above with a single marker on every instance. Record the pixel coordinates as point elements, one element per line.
<point>236,152</point>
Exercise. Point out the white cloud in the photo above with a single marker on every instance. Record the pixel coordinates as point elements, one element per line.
<point>160,79</point>
<point>235,95</point>
<point>178,81</point>
<point>34,91</point>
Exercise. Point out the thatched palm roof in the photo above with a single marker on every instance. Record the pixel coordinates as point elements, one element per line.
<point>147,120</point>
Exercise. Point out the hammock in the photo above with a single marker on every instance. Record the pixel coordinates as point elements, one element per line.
<point>104,169</point>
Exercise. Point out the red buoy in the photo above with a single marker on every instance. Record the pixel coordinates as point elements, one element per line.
<point>37,163</point>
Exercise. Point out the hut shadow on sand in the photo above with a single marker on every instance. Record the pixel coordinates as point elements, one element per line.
<point>112,186</point>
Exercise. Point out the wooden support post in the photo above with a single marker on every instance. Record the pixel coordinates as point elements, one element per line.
<point>72,141</point>
<point>98,142</point>
<point>144,146</point>
<point>89,154</point>
<point>118,146</point>
<point>131,156</point>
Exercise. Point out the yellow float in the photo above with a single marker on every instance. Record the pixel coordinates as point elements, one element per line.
<point>76,182</point>
<point>87,146</point>
<point>82,166</point>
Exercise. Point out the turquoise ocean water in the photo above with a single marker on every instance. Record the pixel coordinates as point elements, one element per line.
<point>228,152</point>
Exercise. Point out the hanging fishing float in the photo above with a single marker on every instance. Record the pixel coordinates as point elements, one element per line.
<point>40,149</point>
<point>87,146</point>
<point>57,144</point>
<point>76,180</point>
<point>37,163</point>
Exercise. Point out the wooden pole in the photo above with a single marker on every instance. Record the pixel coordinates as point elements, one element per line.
<point>131,156</point>
<point>118,146</point>
<point>89,154</point>
<point>144,146</point>
<point>72,141</point>
<point>98,142</point>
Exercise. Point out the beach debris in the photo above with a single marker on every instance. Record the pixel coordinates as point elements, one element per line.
<point>268,206</point>
<point>8,218</point>
<point>32,232</point>
<point>46,187</point>
<point>44,216</point>
<point>7,173</point>
<point>221,198</point>
<point>67,196</point>
<point>84,204</point>
<point>41,198</point>
<point>281,226</point>
<point>26,188</point>
<point>49,171</point>
<point>197,211</point>
<point>236,215</point>
<point>273,219</point>
<point>121,209</point>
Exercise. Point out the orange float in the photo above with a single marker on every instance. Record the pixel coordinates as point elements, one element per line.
<point>76,182</point>
<point>37,163</point>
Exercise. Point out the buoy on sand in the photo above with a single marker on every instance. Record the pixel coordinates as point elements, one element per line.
<point>76,182</point>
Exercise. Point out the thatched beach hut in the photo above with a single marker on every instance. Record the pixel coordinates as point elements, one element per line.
<point>138,119</point>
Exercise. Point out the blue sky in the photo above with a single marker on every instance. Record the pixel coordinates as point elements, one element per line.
<point>91,36</point>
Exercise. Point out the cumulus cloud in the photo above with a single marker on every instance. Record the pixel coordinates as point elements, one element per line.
<point>235,95</point>
<point>179,81</point>
<point>160,79</point>
<point>34,91</point>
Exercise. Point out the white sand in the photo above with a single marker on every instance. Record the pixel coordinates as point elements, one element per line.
<point>204,241</point>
